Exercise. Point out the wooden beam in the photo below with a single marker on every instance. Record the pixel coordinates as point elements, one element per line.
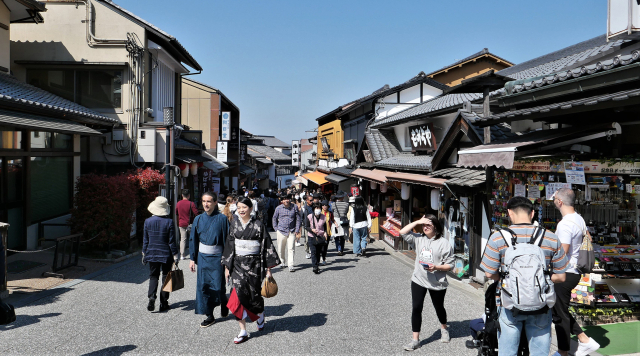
<point>486,112</point>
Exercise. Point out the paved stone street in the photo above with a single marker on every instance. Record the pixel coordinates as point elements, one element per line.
<point>352,307</point>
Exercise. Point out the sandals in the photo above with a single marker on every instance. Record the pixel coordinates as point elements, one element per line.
<point>240,339</point>
<point>260,326</point>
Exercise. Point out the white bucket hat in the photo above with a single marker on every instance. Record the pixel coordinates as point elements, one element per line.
<point>159,207</point>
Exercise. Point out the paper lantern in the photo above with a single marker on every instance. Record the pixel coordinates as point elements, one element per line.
<point>383,188</point>
<point>435,199</point>
<point>194,168</point>
<point>182,166</point>
<point>200,164</point>
<point>405,192</point>
<point>185,171</point>
<point>373,185</point>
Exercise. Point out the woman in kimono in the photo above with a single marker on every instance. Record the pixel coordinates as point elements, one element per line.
<point>248,258</point>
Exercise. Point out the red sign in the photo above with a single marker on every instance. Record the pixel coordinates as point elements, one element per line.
<point>355,191</point>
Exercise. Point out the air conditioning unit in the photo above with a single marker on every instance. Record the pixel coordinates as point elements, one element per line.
<point>623,19</point>
<point>146,145</point>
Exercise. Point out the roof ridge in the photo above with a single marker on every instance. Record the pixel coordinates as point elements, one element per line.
<point>477,54</point>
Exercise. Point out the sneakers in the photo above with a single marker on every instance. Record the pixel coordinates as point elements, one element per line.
<point>324,262</point>
<point>210,320</point>
<point>164,307</point>
<point>444,335</point>
<point>291,269</point>
<point>414,344</point>
<point>316,270</point>
<point>587,348</point>
<point>340,253</point>
<point>224,312</point>
<point>364,253</point>
<point>152,304</point>
<point>307,256</point>
<point>298,244</point>
<point>358,255</point>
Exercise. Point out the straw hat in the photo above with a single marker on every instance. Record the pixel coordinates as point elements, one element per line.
<point>159,207</point>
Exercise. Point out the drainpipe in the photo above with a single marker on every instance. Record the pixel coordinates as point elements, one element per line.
<point>92,40</point>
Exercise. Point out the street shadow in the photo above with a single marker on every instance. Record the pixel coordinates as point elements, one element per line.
<point>185,305</point>
<point>44,297</point>
<point>335,268</point>
<point>277,310</point>
<point>26,320</point>
<point>597,333</point>
<point>457,329</point>
<point>344,260</point>
<point>112,350</point>
<point>294,324</point>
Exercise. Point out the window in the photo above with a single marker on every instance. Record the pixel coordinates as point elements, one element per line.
<point>10,138</point>
<point>51,183</point>
<point>93,88</point>
<point>51,140</point>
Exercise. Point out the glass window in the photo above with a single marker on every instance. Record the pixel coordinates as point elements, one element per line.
<point>10,138</point>
<point>56,140</point>
<point>56,81</point>
<point>99,89</point>
<point>14,180</point>
<point>93,88</point>
<point>51,187</point>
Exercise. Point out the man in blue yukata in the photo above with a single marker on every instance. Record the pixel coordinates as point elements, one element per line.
<point>208,237</point>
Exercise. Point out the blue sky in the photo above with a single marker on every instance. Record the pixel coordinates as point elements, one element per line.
<point>284,63</point>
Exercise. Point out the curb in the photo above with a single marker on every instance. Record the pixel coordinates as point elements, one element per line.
<point>58,289</point>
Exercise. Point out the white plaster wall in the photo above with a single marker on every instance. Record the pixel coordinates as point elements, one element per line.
<point>429,92</point>
<point>440,123</point>
<point>62,37</point>
<point>410,95</point>
<point>5,42</point>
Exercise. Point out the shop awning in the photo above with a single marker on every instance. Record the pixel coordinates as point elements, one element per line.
<point>264,161</point>
<point>192,158</point>
<point>302,180</point>
<point>416,179</point>
<point>246,170</point>
<point>41,123</point>
<point>214,164</point>
<point>316,177</point>
<point>376,175</point>
<point>503,153</point>
<point>336,179</point>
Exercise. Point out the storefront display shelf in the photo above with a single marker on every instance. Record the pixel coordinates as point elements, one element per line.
<point>394,233</point>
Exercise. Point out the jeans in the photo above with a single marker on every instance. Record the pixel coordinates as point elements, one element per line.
<point>339,243</point>
<point>318,251</point>
<point>286,243</point>
<point>360,237</point>
<point>565,322</point>
<point>537,328</point>
<point>154,275</point>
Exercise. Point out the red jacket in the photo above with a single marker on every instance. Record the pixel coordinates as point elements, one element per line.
<point>183,209</point>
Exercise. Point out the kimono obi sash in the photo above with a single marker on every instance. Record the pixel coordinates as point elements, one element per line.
<point>210,250</point>
<point>247,247</point>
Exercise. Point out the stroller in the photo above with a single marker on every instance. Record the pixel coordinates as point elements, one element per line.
<point>486,331</point>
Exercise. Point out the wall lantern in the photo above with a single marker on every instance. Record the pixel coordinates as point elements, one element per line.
<point>383,188</point>
<point>373,185</point>
<point>405,192</point>
<point>194,168</point>
<point>435,199</point>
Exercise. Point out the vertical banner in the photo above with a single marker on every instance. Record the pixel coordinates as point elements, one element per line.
<point>243,152</point>
<point>225,129</point>
<point>221,150</point>
<point>295,153</point>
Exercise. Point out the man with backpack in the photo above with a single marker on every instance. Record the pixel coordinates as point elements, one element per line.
<point>571,231</point>
<point>527,260</point>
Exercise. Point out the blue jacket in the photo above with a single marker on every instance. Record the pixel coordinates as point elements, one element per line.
<point>159,240</point>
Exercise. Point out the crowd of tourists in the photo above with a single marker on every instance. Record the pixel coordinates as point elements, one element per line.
<point>229,244</point>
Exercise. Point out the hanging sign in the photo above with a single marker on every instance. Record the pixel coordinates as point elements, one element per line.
<point>422,137</point>
<point>221,150</point>
<point>533,192</point>
<point>574,172</point>
<point>243,152</point>
<point>519,190</point>
<point>553,187</point>
<point>295,153</point>
<point>225,129</point>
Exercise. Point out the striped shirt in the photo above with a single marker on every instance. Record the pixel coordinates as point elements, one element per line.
<point>493,257</point>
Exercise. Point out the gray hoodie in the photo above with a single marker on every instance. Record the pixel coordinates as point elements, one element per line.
<point>438,252</point>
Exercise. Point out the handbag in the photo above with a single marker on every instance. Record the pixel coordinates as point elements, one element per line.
<point>174,280</point>
<point>269,287</point>
<point>317,239</point>
<point>7,313</point>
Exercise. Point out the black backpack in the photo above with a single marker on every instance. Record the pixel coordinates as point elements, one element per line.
<point>7,313</point>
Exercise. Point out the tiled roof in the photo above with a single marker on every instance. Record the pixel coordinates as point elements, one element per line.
<point>604,65</point>
<point>172,40</point>
<point>566,58</point>
<point>406,161</point>
<point>478,54</point>
<point>592,100</point>
<point>461,176</point>
<point>382,144</point>
<point>344,170</point>
<point>499,131</point>
<point>447,101</point>
<point>272,141</point>
<point>184,144</point>
<point>269,152</point>
<point>13,91</point>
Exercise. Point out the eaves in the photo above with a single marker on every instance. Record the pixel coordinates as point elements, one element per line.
<point>599,80</point>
